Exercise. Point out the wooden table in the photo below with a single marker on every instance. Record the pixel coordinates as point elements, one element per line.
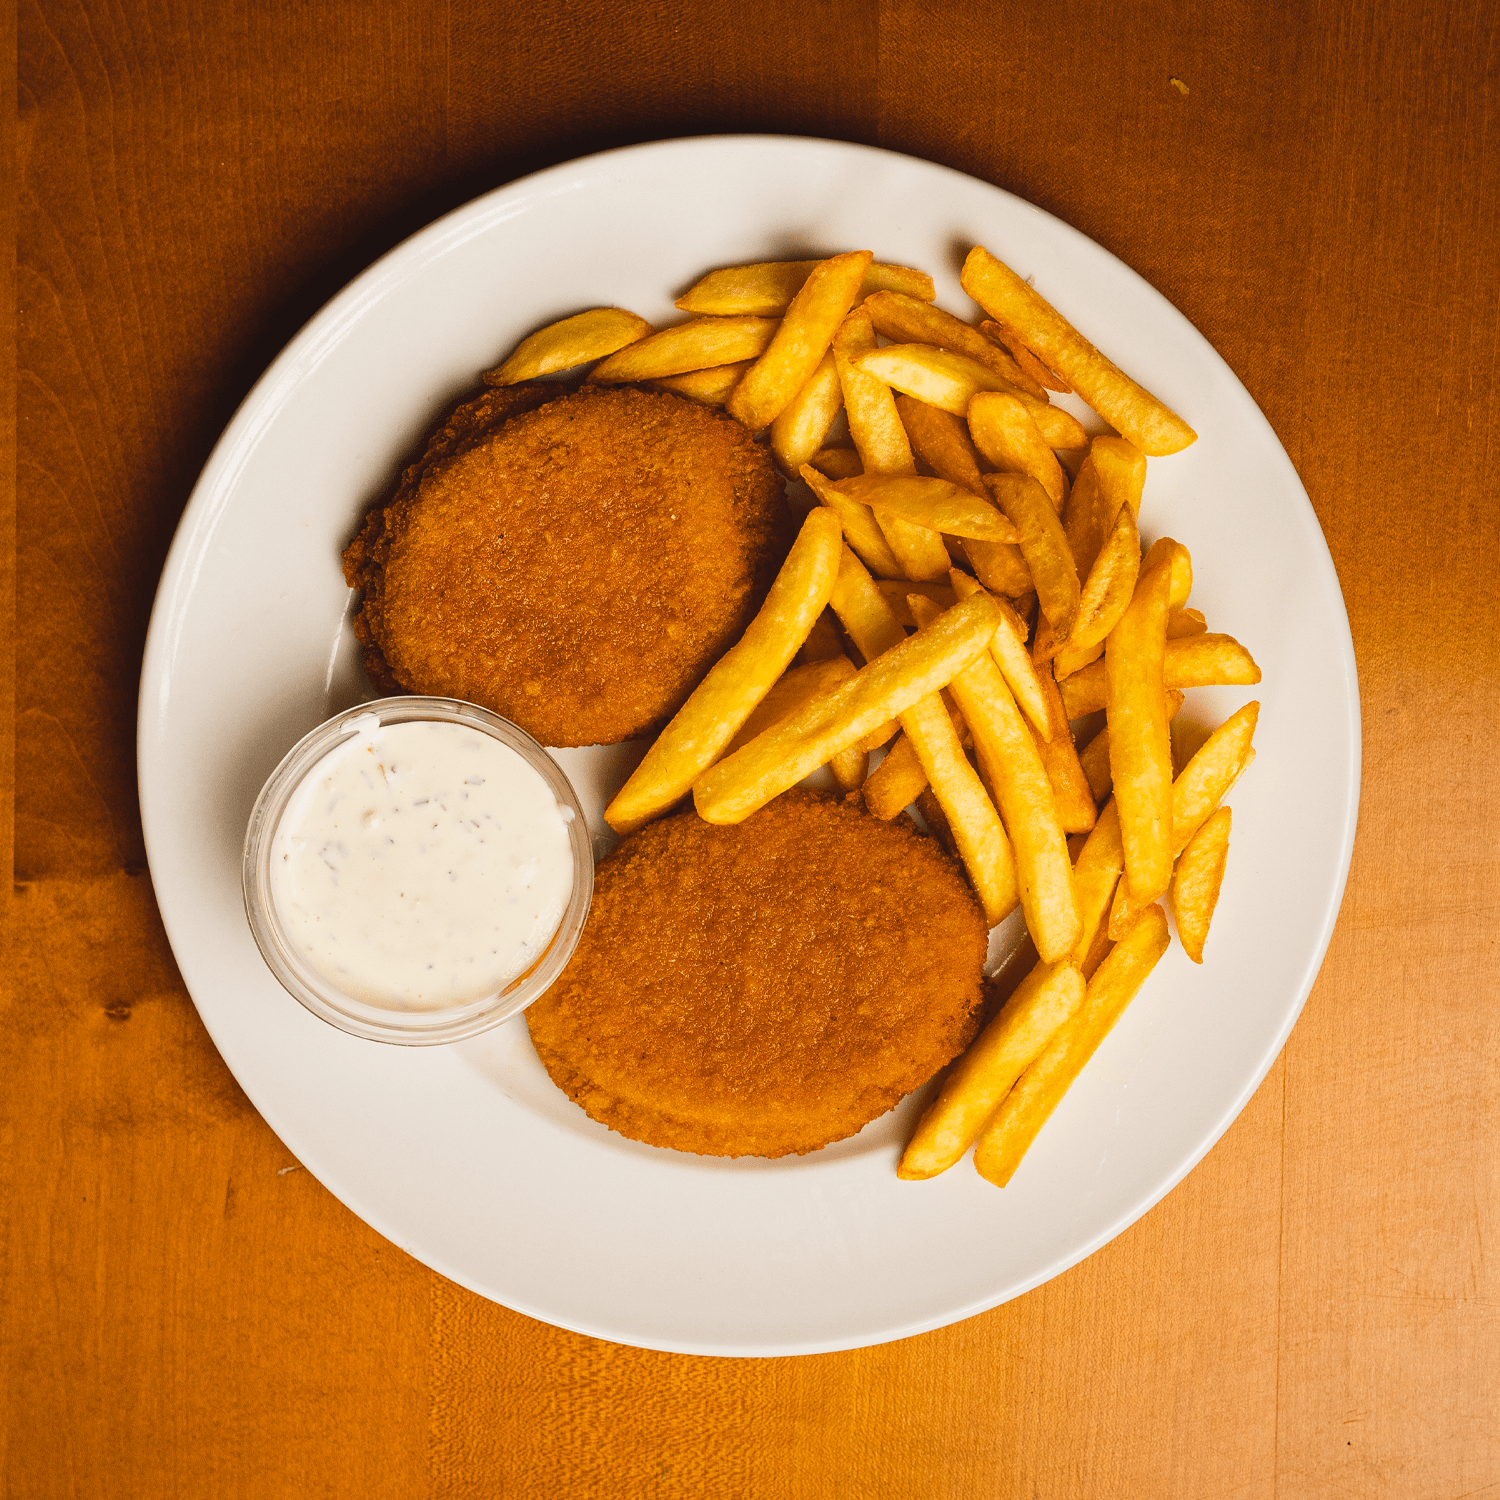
<point>1314,1311</point>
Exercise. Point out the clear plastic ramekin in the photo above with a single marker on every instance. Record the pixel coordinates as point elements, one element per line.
<point>411,1028</point>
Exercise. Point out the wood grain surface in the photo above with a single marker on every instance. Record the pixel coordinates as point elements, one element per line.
<point>1313,1312</point>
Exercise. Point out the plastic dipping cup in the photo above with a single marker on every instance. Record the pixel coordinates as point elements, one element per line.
<point>361,979</point>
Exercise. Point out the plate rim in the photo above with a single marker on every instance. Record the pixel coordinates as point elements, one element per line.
<point>318,337</point>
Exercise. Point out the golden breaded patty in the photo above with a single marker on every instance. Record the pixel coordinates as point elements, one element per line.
<point>577,568</point>
<point>765,987</point>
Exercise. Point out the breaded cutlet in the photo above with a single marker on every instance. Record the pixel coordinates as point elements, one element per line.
<point>766,987</point>
<point>576,568</point>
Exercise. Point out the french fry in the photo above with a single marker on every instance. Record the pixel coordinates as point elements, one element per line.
<point>837,463</point>
<point>1220,761</point>
<point>823,640</point>
<point>1185,622</point>
<point>1094,757</point>
<point>883,445</point>
<point>707,387</point>
<point>941,440</point>
<point>915,668</point>
<point>702,344</point>
<point>1009,651</point>
<point>1096,874</point>
<point>801,340</point>
<point>794,688</point>
<point>1205,660</point>
<point>933,503</point>
<point>1003,431</point>
<point>977,829</point>
<point>861,529</point>
<point>1046,998</point>
<point>895,591</point>
<point>1109,586</point>
<point>1068,659</point>
<point>1007,337</point>
<point>1042,543</point>
<point>574,341</point>
<point>1121,468</point>
<point>737,682</point>
<point>1130,409</point>
<point>767,287</point>
<point>905,320</point>
<point>1041,1087</point>
<point>896,782</point>
<point>952,382</point>
<point>1182,567</point>
<point>1140,747</point>
<point>1196,881</point>
<point>1018,783</point>
<point>797,433</point>
<point>1070,787</point>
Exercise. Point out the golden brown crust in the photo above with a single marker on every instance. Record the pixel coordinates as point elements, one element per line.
<point>767,987</point>
<point>578,568</point>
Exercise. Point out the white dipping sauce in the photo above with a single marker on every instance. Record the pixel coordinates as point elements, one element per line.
<point>421,865</point>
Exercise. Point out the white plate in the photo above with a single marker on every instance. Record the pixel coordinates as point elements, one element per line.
<point>466,1156</point>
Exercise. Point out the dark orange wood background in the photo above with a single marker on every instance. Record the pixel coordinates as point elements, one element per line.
<point>1313,1312</point>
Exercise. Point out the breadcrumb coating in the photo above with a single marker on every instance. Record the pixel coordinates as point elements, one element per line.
<point>766,987</point>
<point>576,568</point>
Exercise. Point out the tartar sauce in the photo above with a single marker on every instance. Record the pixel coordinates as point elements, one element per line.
<point>421,865</point>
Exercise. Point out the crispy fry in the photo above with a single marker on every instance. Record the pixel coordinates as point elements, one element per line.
<point>722,702</point>
<point>837,463</point>
<point>912,669</point>
<point>701,344</point>
<point>1185,622</point>
<point>709,387</point>
<point>1096,874</point>
<point>1196,881</point>
<point>1127,407</point>
<point>1221,760</point>
<point>1121,467</point>
<point>933,503</point>
<point>896,782</point>
<point>861,529</point>
<point>1046,998</point>
<point>574,341</point>
<point>1188,662</point>
<point>823,640</point>
<point>1040,1088</point>
<point>1182,567</point>
<point>1007,337</point>
<point>905,320</point>
<point>1018,782</point>
<point>1070,787</point>
<point>1094,757</point>
<point>895,590</point>
<point>951,382</point>
<point>1043,545</point>
<point>802,339</point>
<point>1067,660</point>
<point>942,441</point>
<point>977,829</point>
<point>795,687</point>
<point>1009,650</point>
<point>1140,747</point>
<point>797,433</point>
<point>883,446</point>
<point>1110,584</point>
<point>767,288</point>
<point>1003,431</point>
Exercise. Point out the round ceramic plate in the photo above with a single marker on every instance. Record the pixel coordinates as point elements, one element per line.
<point>466,1156</point>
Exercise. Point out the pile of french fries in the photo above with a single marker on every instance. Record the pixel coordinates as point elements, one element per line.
<point>957,599</point>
